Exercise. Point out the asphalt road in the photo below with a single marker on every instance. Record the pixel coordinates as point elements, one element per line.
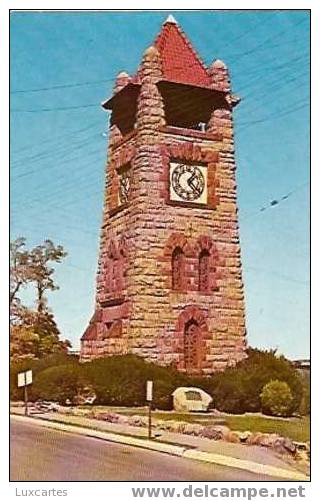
<point>44,454</point>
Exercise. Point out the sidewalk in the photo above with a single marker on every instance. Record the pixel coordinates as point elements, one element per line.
<point>250,458</point>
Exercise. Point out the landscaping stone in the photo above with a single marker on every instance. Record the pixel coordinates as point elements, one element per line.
<point>193,429</point>
<point>281,445</point>
<point>212,432</point>
<point>140,421</point>
<point>243,435</point>
<point>232,437</point>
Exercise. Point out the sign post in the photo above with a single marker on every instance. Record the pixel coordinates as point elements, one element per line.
<point>24,379</point>
<point>149,398</point>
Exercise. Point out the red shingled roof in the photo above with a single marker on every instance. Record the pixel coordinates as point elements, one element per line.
<point>180,62</point>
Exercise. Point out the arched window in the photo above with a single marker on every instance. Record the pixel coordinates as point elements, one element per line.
<point>177,268</point>
<point>192,349</point>
<point>204,266</point>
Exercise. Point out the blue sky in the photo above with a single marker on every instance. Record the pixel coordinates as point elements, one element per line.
<point>58,149</point>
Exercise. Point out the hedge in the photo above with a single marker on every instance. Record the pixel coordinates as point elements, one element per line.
<point>121,381</point>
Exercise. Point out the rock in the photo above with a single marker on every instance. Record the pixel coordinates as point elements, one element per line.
<point>140,421</point>
<point>282,445</point>
<point>243,436</point>
<point>193,429</point>
<point>255,438</point>
<point>232,437</point>
<point>110,417</point>
<point>224,430</point>
<point>211,432</point>
<point>269,440</point>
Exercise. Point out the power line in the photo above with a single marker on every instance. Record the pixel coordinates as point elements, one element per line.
<point>63,86</point>
<point>275,116</point>
<point>290,110</point>
<point>112,79</point>
<point>55,140</point>
<point>269,39</point>
<point>275,202</point>
<point>61,155</point>
<point>58,108</point>
<point>261,21</point>
<point>67,108</point>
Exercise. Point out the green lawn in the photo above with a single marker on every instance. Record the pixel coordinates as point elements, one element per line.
<point>294,428</point>
<point>298,429</point>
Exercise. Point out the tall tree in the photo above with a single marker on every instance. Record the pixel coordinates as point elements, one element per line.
<point>20,271</point>
<point>42,273</point>
<point>34,333</point>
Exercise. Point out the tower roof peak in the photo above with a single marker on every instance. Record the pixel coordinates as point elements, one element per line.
<point>180,62</point>
<point>170,19</point>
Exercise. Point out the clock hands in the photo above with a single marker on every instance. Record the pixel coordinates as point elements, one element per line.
<point>194,185</point>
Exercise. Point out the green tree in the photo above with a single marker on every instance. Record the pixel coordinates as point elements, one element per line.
<point>23,342</point>
<point>34,333</point>
<point>36,336</point>
<point>41,270</point>
<point>20,270</point>
<point>277,399</point>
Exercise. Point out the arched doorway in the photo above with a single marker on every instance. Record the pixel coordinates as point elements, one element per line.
<point>192,346</point>
<point>191,334</point>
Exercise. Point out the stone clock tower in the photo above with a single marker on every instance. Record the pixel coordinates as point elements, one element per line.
<point>169,284</point>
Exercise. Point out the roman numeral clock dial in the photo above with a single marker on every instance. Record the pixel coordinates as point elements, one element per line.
<point>188,183</point>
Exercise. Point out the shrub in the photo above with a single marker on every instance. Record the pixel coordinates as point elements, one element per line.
<point>118,380</point>
<point>121,380</point>
<point>238,388</point>
<point>37,365</point>
<point>59,383</point>
<point>227,390</point>
<point>277,399</point>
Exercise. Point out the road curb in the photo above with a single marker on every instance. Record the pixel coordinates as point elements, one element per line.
<point>174,450</point>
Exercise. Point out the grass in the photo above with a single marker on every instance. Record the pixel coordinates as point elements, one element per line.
<point>298,429</point>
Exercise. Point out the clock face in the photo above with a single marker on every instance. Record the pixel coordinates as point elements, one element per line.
<point>124,186</point>
<point>188,183</point>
